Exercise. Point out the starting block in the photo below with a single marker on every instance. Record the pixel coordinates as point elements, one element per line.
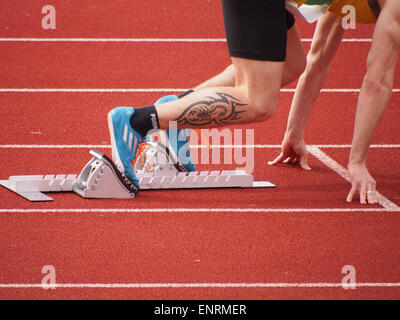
<point>154,167</point>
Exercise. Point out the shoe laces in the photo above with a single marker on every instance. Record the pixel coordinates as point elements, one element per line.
<point>141,154</point>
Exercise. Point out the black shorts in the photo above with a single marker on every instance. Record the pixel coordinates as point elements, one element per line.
<point>257,29</point>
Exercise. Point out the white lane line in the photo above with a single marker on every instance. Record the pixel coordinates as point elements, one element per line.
<point>26,39</point>
<point>203,210</point>
<point>116,40</point>
<point>197,285</point>
<point>254,146</point>
<point>54,146</point>
<point>332,164</point>
<point>137,90</point>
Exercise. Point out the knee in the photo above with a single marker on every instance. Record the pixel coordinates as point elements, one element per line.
<point>261,83</point>
<point>263,106</point>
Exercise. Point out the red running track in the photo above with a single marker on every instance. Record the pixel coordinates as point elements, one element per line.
<point>290,242</point>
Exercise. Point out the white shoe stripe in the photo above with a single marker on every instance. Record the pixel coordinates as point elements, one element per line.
<point>130,140</point>
<point>135,145</point>
<point>125,137</point>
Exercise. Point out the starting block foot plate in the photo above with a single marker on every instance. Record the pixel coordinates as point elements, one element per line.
<point>29,195</point>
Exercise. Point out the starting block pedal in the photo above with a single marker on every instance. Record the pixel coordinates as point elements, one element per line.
<point>100,178</point>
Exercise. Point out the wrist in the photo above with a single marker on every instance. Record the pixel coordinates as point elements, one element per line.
<point>357,158</point>
<point>294,135</point>
<point>356,163</point>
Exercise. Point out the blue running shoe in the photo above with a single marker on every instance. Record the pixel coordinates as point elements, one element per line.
<point>124,141</point>
<point>179,140</point>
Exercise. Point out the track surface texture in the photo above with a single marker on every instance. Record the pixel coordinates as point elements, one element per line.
<point>289,242</point>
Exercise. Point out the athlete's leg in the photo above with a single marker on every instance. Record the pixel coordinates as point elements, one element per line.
<point>224,79</point>
<point>259,61</point>
<point>256,33</point>
<point>254,98</point>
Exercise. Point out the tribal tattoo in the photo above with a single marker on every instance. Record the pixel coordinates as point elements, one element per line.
<point>222,110</point>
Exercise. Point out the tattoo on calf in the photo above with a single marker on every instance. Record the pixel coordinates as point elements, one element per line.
<point>221,110</point>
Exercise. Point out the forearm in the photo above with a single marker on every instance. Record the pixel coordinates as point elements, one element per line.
<point>371,106</point>
<point>378,82</point>
<point>307,91</point>
<point>326,41</point>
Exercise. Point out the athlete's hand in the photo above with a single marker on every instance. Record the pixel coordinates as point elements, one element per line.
<point>293,152</point>
<point>363,183</point>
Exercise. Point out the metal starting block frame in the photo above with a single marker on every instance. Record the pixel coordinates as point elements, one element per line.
<point>100,178</point>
